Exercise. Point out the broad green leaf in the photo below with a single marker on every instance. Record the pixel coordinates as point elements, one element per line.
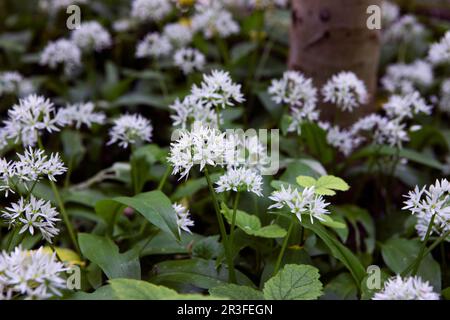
<point>251,224</point>
<point>102,293</point>
<point>127,289</point>
<point>104,252</point>
<point>338,250</point>
<point>235,292</point>
<point>325,185</point>
<point>306,181</point>
<point>399,253</point>
<point>294,282</point>
<point>154,206</point>
<point>207,248</point>
<point>341,288</point>
<point>164,243</point>
<point>329,222</point>
<point>194,272</point>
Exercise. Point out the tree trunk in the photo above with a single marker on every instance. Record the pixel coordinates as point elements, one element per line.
<point>329,36</point>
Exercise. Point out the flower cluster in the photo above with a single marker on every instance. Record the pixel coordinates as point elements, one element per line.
<point>212,19</point>
<point>240,179</point>
<point>91,36</point>
<point>61,52</point>
<point>80,114</point>
<point>130,129</point>
<point>427,203</point>
<point>184,221</point>
<point>390,12</point>
<point>403,78</point>
<point>404,30</point>
<point>189,60</point>
<point>190,110</point>
<point>30,214</point>
<point>150,10</point>
<point>30,274</point>
<point>300,202</point>
<point>179,35</point>
<point>346,91</point>
<point>14,83</point>
<point>440,52</point>
<point>410,288</point>
<point>153,45</point>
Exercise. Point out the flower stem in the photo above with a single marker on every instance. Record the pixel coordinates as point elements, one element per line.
<point>284,246</point>
<point>165,176</point>
<point>233,220</point>
<point>231,272</point>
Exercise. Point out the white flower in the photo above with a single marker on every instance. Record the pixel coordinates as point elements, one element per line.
<point>14,82</point>
<point>403,78</point>
<point>440,52</point>
<point>190,110</point>
<point>31,274</point>
<point>308,113</point>
<point>33,214</point>
<point>63,52</point>
<point>346,91</point>
<point>444,104</point>
<point>184,220</point>
<point>406,106</point>
<point>90,36</point>
<point>7,172</point>
<point>201,145</point>
<point>240,179</point>
<point>213,20</point>
<point>425,203</point>
<point>150,10</point>
<point>218,90</point>
<point>405,29</point>
<point>294,89</point>
<point>179,35</point>
<point>130,129</point>
<point>300,202</point>
<point>390,12</point>
<point>189,60</point>
<point>80,114</point>
<point>34,164</point>
<point>26,120</point>
<point>123,25</point>
<point>344,140</point>
<point>153,45</point>
<point>410,288</point>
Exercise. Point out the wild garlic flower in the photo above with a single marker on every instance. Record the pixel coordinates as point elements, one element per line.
<point>406,106</point>
<point>444,104</point>
<point>80,114</point>
<point>91,36</point>
<point>61,52</point>
<point>213,20</point>
<point>300,202</point>
<point>12,82</point>
<point>130,129</point>
<point>427,202</point>
<point>405,29</point>
<point>32,214</point>
<point>179,35</point>
<point>218,90</point>
<point>35,164</point>
<point>184,220</point>
<point>295,90</point>
<point>440,52</point>
<point>150,10</point>
<point>188,111</point>
<point>189,60</point>
<point>299,116</point>
<point>153,45</point>
<point>343,140</point>
<point>409,288</point>
<point>31,274</point>
<point>7,173</point>
<point>201,145</point>
<point>404,78</point>
<point>29,118</point>
<point>390,12</point>
<point>240,180</point>
<point>346,91</point>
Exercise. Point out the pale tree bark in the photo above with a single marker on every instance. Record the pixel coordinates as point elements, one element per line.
<point>329,36</point>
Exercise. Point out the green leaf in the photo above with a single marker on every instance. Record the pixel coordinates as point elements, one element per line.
<point>154,206</point>
<point>126,289</point>
<point>194,272</point>
<point>251,224</point>
<point>235,292</point>
<point>329,222</point>
<point>104,252</point>
<point>294,282</point>
<point>141,162</point>
<point>341,287</point>
<point>399,253</point>
<point>207,248</point>
<point>338,250</point>
<point>102,293</point>
<point>325,185</point>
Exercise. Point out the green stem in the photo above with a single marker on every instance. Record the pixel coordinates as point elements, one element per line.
<point>231,272</point>
<point>233,220</point>
<point>165,176</point>
<point>284,246</point>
